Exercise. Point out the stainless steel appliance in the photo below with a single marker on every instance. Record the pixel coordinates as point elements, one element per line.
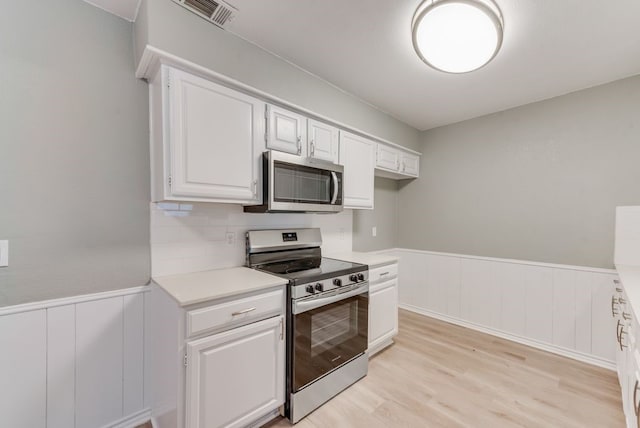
<point>295,184</point>
<point>327,315</point>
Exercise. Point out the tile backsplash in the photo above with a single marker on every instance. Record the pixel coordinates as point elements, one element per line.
<point>201,236</point>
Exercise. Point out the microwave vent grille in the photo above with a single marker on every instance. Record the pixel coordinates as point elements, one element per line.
<point>216,11</point>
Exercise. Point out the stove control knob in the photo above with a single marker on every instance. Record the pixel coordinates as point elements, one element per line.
<point>337,282</point>
<point>310,289</point>
<point>319,287</point>
<point>353,277</point>
<point>360,277</point>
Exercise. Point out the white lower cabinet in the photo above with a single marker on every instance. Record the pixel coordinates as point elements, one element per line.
<point>627,354</point>
<point>215,364</point>
<point>235,377</point>
<point>383,307</point>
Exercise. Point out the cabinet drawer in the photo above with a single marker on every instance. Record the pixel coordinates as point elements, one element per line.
<point>235,312</point>
<point>383,273</point>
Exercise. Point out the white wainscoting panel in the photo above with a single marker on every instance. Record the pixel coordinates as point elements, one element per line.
<point>23,370</point>
<point>512,314</point>
<point>602,323</point>
<point>133,354</point>
<point>99,337</point>
<point>558,308</point>
<point>61,364</point>
<point>538,285</point>
<point>74,362</point>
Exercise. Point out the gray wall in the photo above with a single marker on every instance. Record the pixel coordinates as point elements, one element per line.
<point>168,26</point>
<point>538,182</point>
<point>384,217</point>
<point>74,175</point>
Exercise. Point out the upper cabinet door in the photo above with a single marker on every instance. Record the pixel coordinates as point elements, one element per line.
<point>410,164</point>
<point>215,136</point>
<point>387,157</point>
<point>286,131</point>
<point>323,141</point>
<point>357,154</point>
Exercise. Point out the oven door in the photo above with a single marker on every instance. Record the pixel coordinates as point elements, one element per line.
<point>303,184</point>
<point>328,330</point>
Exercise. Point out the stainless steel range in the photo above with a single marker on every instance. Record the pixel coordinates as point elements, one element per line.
<point>327,315</point>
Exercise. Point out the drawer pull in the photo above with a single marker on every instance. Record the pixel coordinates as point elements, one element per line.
<point>635,393</point>
<point>244,311</point>
<point>384,273</point>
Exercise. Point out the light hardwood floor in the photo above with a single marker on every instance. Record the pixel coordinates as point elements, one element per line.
<point>441,375</point>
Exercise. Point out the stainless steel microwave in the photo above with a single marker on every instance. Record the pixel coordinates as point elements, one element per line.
<point>295,184</point>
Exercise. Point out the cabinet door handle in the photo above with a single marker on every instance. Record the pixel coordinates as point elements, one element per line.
<point>299,143</point>
<point>255,188</point>
<point>618,330</point>
<point>313,148</point>
<point>635,393</point>
<point>244,311</point>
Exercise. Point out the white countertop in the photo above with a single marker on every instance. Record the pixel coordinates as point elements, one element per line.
<point>371,259</point>
<point>190,288</point>
<point>630,279</point>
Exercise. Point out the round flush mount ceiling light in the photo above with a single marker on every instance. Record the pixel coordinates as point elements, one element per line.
<point>457,36</point>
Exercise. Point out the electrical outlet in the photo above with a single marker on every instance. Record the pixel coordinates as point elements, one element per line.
<point>374,231</point>
<point>231,238</point>
<point>4,253</point>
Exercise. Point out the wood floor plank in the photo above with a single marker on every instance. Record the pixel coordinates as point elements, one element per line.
<point>442,375</point>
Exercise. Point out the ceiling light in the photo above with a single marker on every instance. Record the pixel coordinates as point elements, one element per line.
<point>457,36</point>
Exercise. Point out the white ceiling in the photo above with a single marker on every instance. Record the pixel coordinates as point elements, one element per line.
<point>364,47</point>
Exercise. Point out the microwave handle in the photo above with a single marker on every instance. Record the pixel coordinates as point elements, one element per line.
<point>334,177</point>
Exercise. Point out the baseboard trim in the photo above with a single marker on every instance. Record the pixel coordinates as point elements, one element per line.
<point>575,355</point>
<point>373,350</point>
<point>133,420</point>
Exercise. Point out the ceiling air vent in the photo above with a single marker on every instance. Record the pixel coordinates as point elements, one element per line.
<point>218,11</point>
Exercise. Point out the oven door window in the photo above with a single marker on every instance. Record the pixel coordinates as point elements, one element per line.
<point>302,184</point>
<point>327,337</point>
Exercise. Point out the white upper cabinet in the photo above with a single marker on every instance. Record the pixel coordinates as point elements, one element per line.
<point>357,154</point>
<point>393,162</point>
<point>409,164</point>
<point>206,140</point>
<point>323,141</point>
<point>387,157</point>
<point>286,131</point>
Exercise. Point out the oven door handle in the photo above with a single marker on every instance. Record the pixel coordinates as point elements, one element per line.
<point>307,305</point>
<point>334,178</point>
